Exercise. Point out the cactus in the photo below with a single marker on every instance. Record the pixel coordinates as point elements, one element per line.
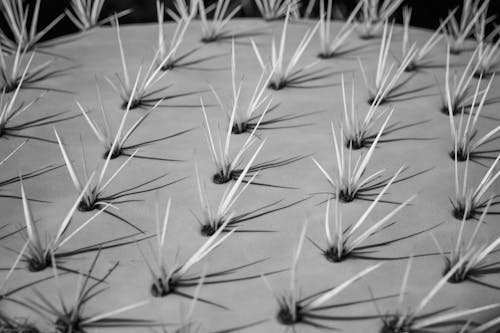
<point>183,213</point>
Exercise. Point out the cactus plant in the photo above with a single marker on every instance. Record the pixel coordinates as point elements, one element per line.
<point>195,250</point>
<point>415,321</point>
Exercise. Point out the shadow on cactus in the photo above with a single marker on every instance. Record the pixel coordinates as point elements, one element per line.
<point>488,52</point>
<point>350,181</point>
<point>348,242</point>
<point>474,256</point>
<point>470,202</point>
<point>183,19</point>
<point>174,279</point>
<point>457,32</point>
<point>144,90</point>
<point>13,74</point>
<point>188,325</point>
<point>387,84</point>
<point>71,318</point>
<point>214,220</point>
<point>359,132</point>
<point>419,59</point>
<point>115,145</point>
<point>228,167</point>
<point>8,324</point>
<point>31,174</point>
<point>6,294</point>
<point>312,310</point>
<point>249,115</point>
<point>458,91</point>
<point>484,327</point>
<point>8,234</point>
<point>10,109</point>
<point>94,197</point>
<point>466,143</point>
<point>414,320</point>
<point>332,47</point>
<point>41,254</point>
<point>289,74</point>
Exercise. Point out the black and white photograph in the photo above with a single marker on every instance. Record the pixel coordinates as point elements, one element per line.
<point>259,166</point>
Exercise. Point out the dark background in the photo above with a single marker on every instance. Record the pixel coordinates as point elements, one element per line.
<point>425,13</point>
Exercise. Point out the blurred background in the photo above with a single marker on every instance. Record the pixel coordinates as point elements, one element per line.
<point>425,13</point>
